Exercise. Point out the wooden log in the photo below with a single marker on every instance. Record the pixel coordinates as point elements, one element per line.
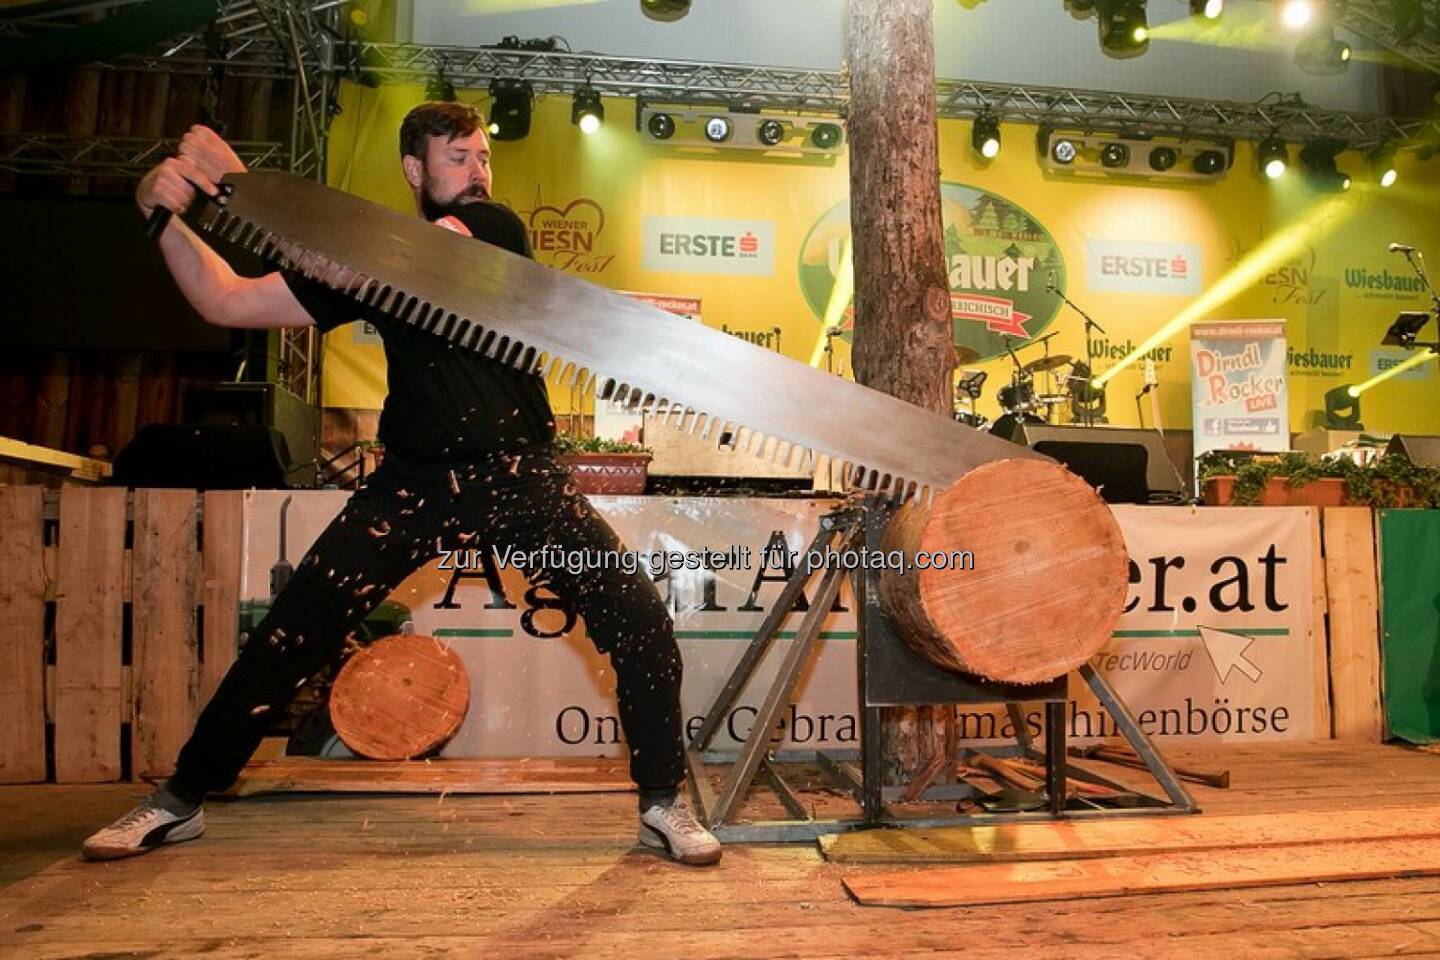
<point>22,636</point>
<point>1049,577</point>
<point>399,698</point>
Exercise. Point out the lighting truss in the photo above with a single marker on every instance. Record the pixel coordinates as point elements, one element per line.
<point>61,154</point>
<point>1372,19</point>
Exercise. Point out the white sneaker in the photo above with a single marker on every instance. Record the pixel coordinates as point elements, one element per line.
<point>674,829</point>
<point>143,829</point>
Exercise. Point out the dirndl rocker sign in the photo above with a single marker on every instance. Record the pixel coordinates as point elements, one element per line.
<point>1238,386</point>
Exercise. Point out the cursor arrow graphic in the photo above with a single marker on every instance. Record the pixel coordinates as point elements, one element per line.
<point>1227,653</point>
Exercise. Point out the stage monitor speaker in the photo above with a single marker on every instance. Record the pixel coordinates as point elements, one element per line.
<point>1417,449</point>
<point>1116,465</point>
<point>261,405</point>
<point>203,458</point>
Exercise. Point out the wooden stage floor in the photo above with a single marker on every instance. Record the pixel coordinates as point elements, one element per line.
<point>535,876</point>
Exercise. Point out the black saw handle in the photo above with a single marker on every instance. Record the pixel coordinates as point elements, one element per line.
<point>160,216</point>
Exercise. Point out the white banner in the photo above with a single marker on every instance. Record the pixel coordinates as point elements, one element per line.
<point>1238,386</point>
<point>1217,641</point>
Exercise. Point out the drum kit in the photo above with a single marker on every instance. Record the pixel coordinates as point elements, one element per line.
<point>1034,392</point>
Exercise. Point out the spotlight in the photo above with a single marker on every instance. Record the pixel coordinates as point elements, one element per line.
<point>1342,409</point>
<point>1320,53</point>
<point>439,88</point>
<point>1382,165</point>
<point>770,132</point>
<point>717,129</point>
<point>1207,9</point>
<point>1123,26</point>
<point>826,136</point>
<point>1063,151</point>
<point>1163,158</point>
<point>586,111</point>
<point>661,126</point>
<point>510,109</point>
<point>1208,162</point>
<point>1273,157</point>
<point>1296,14</point>
<point>665,9</point>
<point>1114,155</point>
<point>985,135</point>
<point>1318,159</point>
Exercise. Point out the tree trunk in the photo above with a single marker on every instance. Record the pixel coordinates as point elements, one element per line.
<point>903,338</point>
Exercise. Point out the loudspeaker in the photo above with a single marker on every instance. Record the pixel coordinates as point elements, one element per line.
<point>1415,448</point>
<point>203,458</point>
<point>1130,463</point>
<point>261,405</point>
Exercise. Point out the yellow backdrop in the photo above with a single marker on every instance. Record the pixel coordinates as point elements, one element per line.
<point>1268,250</point>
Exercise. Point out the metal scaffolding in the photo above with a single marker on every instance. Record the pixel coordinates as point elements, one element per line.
<point>1375,21</point>
<point>100,155</point>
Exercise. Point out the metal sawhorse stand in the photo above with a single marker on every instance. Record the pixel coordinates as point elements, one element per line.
<point>891,674</point>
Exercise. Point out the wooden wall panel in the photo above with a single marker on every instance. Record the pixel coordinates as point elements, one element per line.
<point>88,628</point>
<point>165,661</point>
<point>22,635</point>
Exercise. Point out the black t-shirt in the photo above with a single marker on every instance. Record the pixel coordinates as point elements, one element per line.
<point>445,404</point>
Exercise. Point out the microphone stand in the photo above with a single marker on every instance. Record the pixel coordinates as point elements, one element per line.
<point>1416,259</point>
<point>1090,324</point>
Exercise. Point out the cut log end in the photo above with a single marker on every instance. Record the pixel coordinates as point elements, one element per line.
<point>1048,582</point>
<point>400,698</point>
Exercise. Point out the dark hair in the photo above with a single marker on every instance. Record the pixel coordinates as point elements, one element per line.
<point>437,118</point>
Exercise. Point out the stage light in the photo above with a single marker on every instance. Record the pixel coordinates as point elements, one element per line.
<point>439,88</point>
<point>1296,14</point>
<point>586,111</point>
<point>826,136</point>
<point>1163,158</point>
<point>1114,155</point>
<point>1207,9</point>
<point>665,9</point>
<point>1273,157</point>
<point>985,135</point>
<point>1321,173</point>
<point>510,109</point>
<point>717,129</point>
<point>1208,162</point>
<point>1342,409</point>
<point>661,126</point>
<point>1408,364</point>
<point>1320,53</point>
<point>1382,165</point>
<point>1064,151</point>
<point>770,132</point>
<point>1123,25</point>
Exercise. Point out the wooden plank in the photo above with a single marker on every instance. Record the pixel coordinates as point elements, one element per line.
<point>88,623</point>
<point>1080,839</point>
<point>1352,586</point>
<point>165,658</point>
<point>1319,650</point>
<point>220,591</point>
<point>22,635</point>
<point>557,775</point>
<point>989,883</point>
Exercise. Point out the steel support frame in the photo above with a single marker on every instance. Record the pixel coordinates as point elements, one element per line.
<point>848,526</point>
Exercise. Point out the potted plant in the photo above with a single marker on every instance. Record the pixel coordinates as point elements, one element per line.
<point>604,466</point>
<point>1297,479</point>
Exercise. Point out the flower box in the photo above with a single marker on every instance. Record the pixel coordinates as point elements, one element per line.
<point>1324,492</point>
<point>608,473</point>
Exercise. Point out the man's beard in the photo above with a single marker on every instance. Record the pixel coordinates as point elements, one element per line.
<point>432,208</point>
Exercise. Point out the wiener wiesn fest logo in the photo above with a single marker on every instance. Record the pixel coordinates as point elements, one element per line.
<point>566,235</point>
<point>999,259</point>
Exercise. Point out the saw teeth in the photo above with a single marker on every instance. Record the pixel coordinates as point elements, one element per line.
<point>374,292</point>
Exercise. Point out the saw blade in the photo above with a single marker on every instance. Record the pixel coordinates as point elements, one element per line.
<point>540,319</point>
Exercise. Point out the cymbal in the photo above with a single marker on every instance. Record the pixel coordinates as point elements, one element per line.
<point>1048,363</point>
<point>964,355</point>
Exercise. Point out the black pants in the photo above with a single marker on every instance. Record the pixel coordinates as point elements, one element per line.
<point>397,522</point>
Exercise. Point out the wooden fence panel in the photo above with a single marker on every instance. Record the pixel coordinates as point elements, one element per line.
<point>88,634</point>
<point>1352,586</point>
<point>22,635</point>
<point>165,663</point>
<point>223,553</point>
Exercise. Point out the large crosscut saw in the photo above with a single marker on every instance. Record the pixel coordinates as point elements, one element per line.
<point>540,319</point>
